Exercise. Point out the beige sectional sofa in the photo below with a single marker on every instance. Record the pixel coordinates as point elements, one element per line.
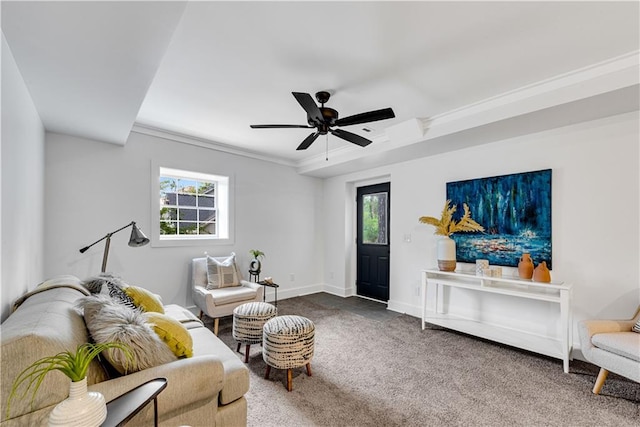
<point>206,389</point>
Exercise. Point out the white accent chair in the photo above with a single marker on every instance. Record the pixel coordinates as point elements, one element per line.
<point>217,303</point>
<point>613,346</point>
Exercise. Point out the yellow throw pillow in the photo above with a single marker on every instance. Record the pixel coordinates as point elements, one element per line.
<point>172,332</point>
<point>144,299</point>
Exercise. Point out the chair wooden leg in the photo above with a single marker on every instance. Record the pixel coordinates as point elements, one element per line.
<point>216,322</point>
<point>246,353</point>
<point>267,372</point>
<point>238,349</point>
<point>602,376</point>
<point>289,379</point>
<point>309,369</point>
<point>201,315</point>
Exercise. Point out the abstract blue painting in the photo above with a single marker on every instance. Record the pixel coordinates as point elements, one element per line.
<point>515,211</point>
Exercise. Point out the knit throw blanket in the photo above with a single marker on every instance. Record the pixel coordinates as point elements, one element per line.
<point>67,281</point>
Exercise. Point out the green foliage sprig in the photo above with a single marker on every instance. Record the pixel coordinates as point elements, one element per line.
<point>446,225</point>
<point>257,254</point>
<point>73,365</point>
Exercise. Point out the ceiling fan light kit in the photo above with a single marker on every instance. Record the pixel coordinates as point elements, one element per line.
<point>323,119</point>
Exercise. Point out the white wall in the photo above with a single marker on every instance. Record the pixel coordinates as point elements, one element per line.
<point>94,188</point>
<point>22,183</point>
<point>595,220</point>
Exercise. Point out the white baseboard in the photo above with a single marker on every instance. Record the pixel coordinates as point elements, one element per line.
<point>338,291</point>
<point>401,307</point>
<point>297,291</point>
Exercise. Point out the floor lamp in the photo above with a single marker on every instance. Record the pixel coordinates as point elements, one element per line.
<point>137,239</point>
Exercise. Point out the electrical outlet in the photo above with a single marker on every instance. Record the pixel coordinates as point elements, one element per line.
<point>292,277</point>
<point>331,275</point>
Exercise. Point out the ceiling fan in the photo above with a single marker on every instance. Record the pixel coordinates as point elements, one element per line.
<point>324,118</point>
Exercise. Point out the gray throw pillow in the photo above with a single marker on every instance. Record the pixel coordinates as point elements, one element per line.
<point>108,321</point>
<point>94,284</point>
<point>222,272</point>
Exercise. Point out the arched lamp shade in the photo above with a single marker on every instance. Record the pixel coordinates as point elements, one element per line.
<point>137,239</point>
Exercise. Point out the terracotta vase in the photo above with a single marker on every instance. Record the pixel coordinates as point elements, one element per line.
<point>541,273</point>
<point>525,267</point>
<point>446,250</point>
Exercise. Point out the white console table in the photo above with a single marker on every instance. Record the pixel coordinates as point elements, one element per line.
<point>556,292</point>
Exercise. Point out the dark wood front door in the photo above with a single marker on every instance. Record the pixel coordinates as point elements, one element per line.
<point>372,241</point>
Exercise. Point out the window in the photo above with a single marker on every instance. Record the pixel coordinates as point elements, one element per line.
<point>374,218</point>
<point>191,207</point>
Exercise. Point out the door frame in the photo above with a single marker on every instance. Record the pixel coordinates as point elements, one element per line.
<point>352,211</point>
<point>380,255</point>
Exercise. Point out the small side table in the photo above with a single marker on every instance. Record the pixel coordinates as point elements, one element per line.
<point>121,409</point>
<point>275,286</point>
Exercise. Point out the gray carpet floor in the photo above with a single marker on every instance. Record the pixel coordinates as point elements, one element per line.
<point>374,367</point>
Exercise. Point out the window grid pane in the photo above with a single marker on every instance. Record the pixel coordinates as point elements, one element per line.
<point>187,207</point>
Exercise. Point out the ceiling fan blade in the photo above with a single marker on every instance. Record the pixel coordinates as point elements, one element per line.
<point>309,105</point>
<point>308,141</point>
<point>370,116</point>
<point>351,137</point>
<point>280,126</point>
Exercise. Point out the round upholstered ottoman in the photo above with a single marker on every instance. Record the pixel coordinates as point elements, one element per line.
<point>287,343</point>
<point>248,320</point>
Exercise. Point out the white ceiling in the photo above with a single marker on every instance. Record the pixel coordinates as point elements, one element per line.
<point>210,69</point>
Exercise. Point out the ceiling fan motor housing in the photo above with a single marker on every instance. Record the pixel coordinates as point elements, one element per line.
<point>329,116</point>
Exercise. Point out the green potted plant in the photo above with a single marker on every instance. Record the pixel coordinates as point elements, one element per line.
<point>255,266</point>
<point>80,405</point>
<point>445,226</point>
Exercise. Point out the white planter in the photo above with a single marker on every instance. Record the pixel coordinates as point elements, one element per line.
<point>446,252</point>
<point>80,409</point>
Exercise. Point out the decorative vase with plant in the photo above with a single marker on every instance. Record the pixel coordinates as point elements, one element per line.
<point>255,266</point>
<point>81,408</point>
<point>445,226</point>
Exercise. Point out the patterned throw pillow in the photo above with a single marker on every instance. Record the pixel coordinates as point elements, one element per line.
<point>96,284</point>
<point>118,295</point>
<point>636,327</point>
<point>222,272</point>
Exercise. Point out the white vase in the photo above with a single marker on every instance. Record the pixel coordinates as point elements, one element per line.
<point>446,251</point>
<point>80,409</point>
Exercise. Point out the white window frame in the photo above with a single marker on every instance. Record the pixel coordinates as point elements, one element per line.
<point>224,207</point>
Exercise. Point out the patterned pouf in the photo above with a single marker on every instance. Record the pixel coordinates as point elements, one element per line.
<point>248,320</point>
<point>288,343</point>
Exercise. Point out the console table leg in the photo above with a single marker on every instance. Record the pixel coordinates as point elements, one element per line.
<point>424,298</point>
<point>564,316</point>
